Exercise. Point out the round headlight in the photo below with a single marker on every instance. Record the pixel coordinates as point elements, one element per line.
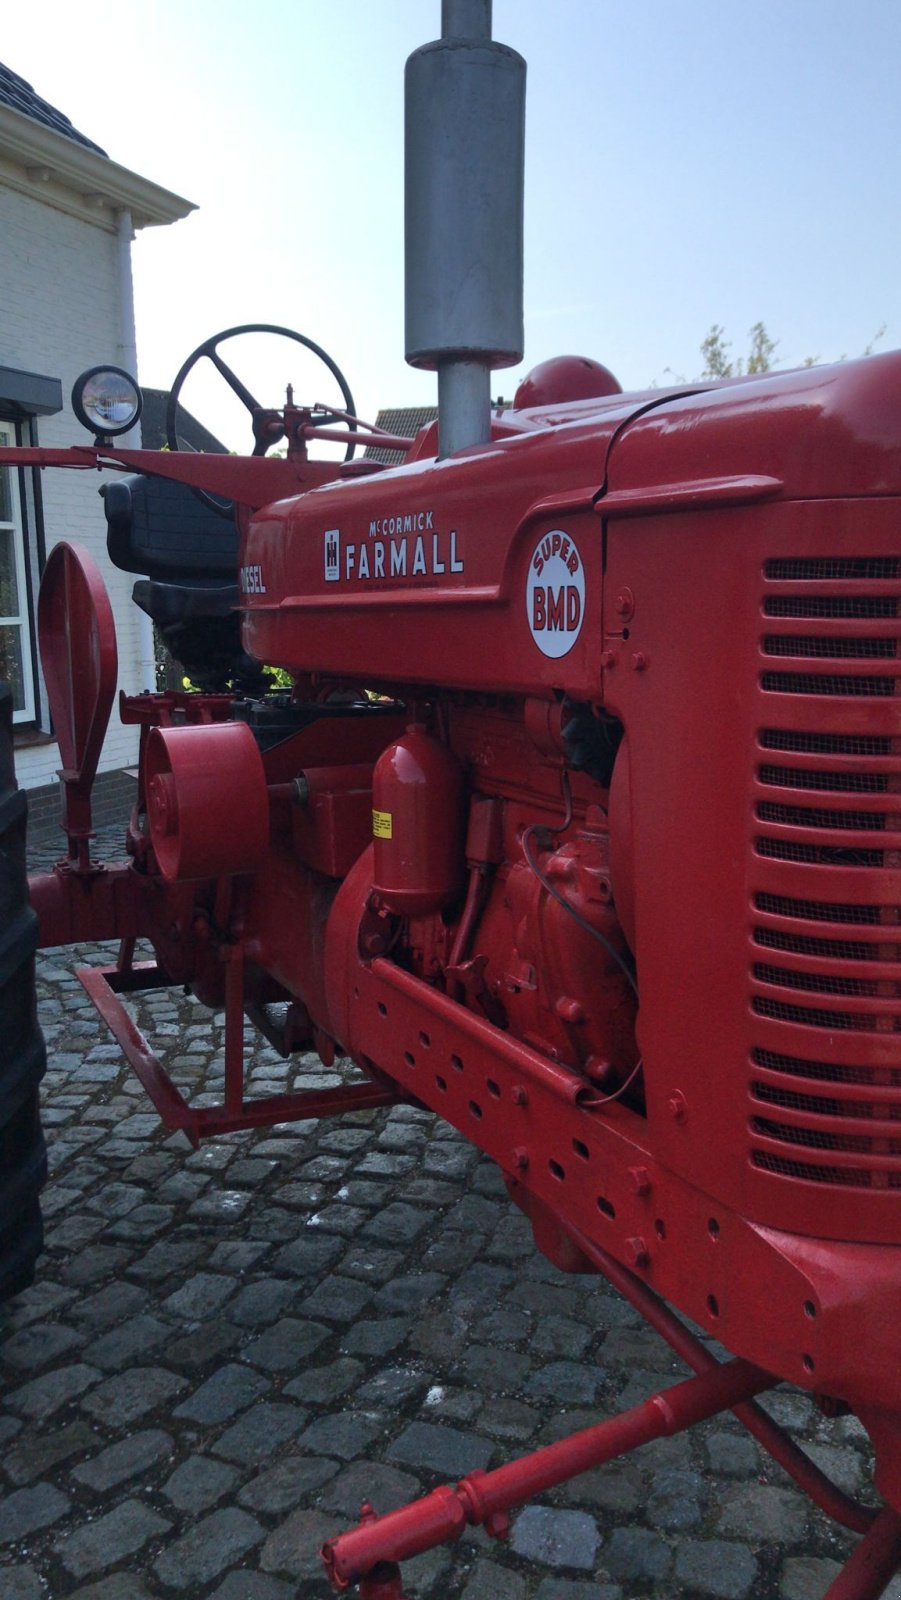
<point>106,400</point>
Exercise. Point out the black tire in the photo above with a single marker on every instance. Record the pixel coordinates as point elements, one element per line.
<point>23,1155</point>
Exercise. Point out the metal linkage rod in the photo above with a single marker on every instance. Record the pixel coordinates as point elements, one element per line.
<point>486,1497</point>
<point>821,1490</point>
<point>874,1562</point>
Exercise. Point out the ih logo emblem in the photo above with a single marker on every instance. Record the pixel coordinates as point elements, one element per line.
<point>332,555</point>
<point>555,594</point>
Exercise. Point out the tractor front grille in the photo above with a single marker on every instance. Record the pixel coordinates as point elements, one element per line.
<point>825,967</point>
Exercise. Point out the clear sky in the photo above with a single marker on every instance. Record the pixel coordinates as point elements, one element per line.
<point>685,164</point>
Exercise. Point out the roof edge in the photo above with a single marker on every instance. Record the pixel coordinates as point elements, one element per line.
<point>51,158</point>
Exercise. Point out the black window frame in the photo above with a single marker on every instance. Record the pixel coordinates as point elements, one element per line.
<point>24,397</point>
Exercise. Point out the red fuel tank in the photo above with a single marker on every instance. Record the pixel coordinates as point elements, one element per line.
<point>417,792</point>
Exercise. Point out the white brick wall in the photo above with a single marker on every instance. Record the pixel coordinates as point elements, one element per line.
<point>60,313</point>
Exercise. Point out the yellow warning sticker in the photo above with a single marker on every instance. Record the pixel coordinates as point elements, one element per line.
<point>381,825</point>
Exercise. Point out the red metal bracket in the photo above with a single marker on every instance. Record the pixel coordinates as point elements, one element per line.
<point>78,653</point>
<point>487,1497</point>
<point>104,986</point>
<point>248,480</point>
<point>371,433</point>
<point>838,1505</point>
<point>370,1553</point>
<point>874,1562</point>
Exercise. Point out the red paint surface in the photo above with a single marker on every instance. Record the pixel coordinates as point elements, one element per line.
<point>731,1139</point>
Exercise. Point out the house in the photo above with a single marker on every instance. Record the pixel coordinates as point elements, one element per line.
<point>405,422</point>
<point>68,214</point>
<point>191,433</point>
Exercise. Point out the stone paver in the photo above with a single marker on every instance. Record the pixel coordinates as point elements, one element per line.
<point>725,1571</point>
<point>556,1538</point>
<point>198,1483</point>
<point>120,1586</point>
<point>202,1553</point>
<point>22,1583</point>
<point>228,1349</point>
<point>126,1459</point>
<point>132,1394</point>
<point>110,1539</point>
<point>447,1451</point>
<point>253,1586</point>
<point>260,1431</point>
<point>222,1396</point>
<point>294,1547</point>
<point>28,1510</point>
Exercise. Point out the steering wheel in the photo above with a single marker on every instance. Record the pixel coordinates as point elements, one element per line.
<point>267,424</point>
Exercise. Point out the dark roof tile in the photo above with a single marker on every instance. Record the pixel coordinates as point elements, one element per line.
<point>15,92</point>
<point>193,434</point>
<point>405,421</point>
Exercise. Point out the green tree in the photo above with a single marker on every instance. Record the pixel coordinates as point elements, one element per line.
<point>719,364</point>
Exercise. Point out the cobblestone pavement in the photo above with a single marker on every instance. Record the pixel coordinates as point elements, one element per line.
<point>226,1350</point>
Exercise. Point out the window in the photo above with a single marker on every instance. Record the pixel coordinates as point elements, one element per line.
<point>24,396</point>
<point>15,633</point>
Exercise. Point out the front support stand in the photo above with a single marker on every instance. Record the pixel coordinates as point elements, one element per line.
<point>104,985</point>
<point>486,1498</point>
<point>874,1562</point>
<point>370,1553</point>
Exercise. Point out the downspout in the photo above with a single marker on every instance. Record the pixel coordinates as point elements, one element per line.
<point>127,357</point>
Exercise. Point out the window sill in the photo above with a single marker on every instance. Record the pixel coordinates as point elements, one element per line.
<point>24,737</point>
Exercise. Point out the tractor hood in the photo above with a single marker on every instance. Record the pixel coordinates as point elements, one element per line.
<point>813,434</point>
<point>416,574</point>
<point>484,570</point>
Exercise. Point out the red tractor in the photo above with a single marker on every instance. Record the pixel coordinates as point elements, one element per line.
<point>576,826</point>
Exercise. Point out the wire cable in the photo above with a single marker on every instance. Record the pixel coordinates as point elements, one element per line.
<point>533,831</point>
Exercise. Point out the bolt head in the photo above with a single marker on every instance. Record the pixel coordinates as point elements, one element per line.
<point>569,1009</point>
<point>637,1252</point>
<point>497,1525</point>
<point>677,1106</point>
<point>162,803</point>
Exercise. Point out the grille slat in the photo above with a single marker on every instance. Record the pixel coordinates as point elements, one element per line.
<point>873,821</point>
<point>844,913</point>
<point>883,1120</point>
<point>838,1144</point>
<point>822,855</point>
<point>831,1072</point>
<point>829,782</point>
<point>832,569</point>
<point>826,606</point>
<point>831,983</point>
<point>840,950</point>
<point>817,1016</point>
<point>845,685</point>
<point>833,647</point>
<point>815,1172</point>
<point>861,745</point>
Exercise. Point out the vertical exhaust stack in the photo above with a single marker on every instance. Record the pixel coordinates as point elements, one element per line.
<point>464,153</point>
